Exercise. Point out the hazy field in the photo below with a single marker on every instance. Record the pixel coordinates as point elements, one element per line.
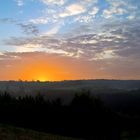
<point>67,89</point>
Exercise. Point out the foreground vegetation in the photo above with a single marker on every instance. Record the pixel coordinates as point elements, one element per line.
<point>85,117</point>
<point>14,133</point>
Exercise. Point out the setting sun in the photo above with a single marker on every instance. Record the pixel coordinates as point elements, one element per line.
<point>42,78</point>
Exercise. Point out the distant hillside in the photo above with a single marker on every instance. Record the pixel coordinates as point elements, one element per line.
<point>68,86</point>
<point>67,89</point>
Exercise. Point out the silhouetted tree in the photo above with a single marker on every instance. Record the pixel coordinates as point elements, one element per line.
<point>85,117</point>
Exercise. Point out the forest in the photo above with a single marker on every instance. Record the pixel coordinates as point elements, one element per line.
<point>86,116</point>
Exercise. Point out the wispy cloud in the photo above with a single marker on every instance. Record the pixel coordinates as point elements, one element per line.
<point>94,11</point>
<point>50,2</point>
<point>29,28</point>
<point>72,10</point>
<point>39,20</point>
<point>118,8</point>
<point>54,30</point>
<point>20,2</point>
<point>8,20</point>
<point>106,44</point>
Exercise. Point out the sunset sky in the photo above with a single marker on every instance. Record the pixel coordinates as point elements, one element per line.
<point>69,39</point>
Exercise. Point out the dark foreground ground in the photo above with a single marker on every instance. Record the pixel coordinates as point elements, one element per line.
<point>86,117</point>
<point>14,133</point>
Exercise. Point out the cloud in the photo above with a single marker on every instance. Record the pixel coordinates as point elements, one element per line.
<point>108,13</point>
<point>131,16</point>
<point>73,9</point>
<point>27,48</point>
<point>39,20</point>
<point>84,19</point>
<point>54,29</point>
<point>1,54</point>
<point>28,28</point>
<point>53,2</point>
<point>94,11</point>
<point>118,8</point>
<point>115,41</point>
<point>20,2</point>
<point>106,54</point>
<point>8,20</point>
<point>88,2</point>
<point>8,56</point>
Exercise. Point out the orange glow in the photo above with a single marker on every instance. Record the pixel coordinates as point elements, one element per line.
<point>52,67</point>
<point>49,67</point>
<point>43,71</point>
<point>42,78</point>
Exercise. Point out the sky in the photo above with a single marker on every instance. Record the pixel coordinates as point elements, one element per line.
<point>69,39</point>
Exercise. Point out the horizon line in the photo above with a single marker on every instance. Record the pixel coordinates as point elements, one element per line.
<point>20,80</point>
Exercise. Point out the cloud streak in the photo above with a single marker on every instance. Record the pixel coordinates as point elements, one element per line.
<point>20,2</point>
<point>115,42</point>
<point>28,28</point>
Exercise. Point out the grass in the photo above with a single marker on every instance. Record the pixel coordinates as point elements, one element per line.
<point>130,136</point>
<point>14,133</point>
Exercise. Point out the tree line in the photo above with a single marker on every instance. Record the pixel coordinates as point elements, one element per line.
<point>84,117</point>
